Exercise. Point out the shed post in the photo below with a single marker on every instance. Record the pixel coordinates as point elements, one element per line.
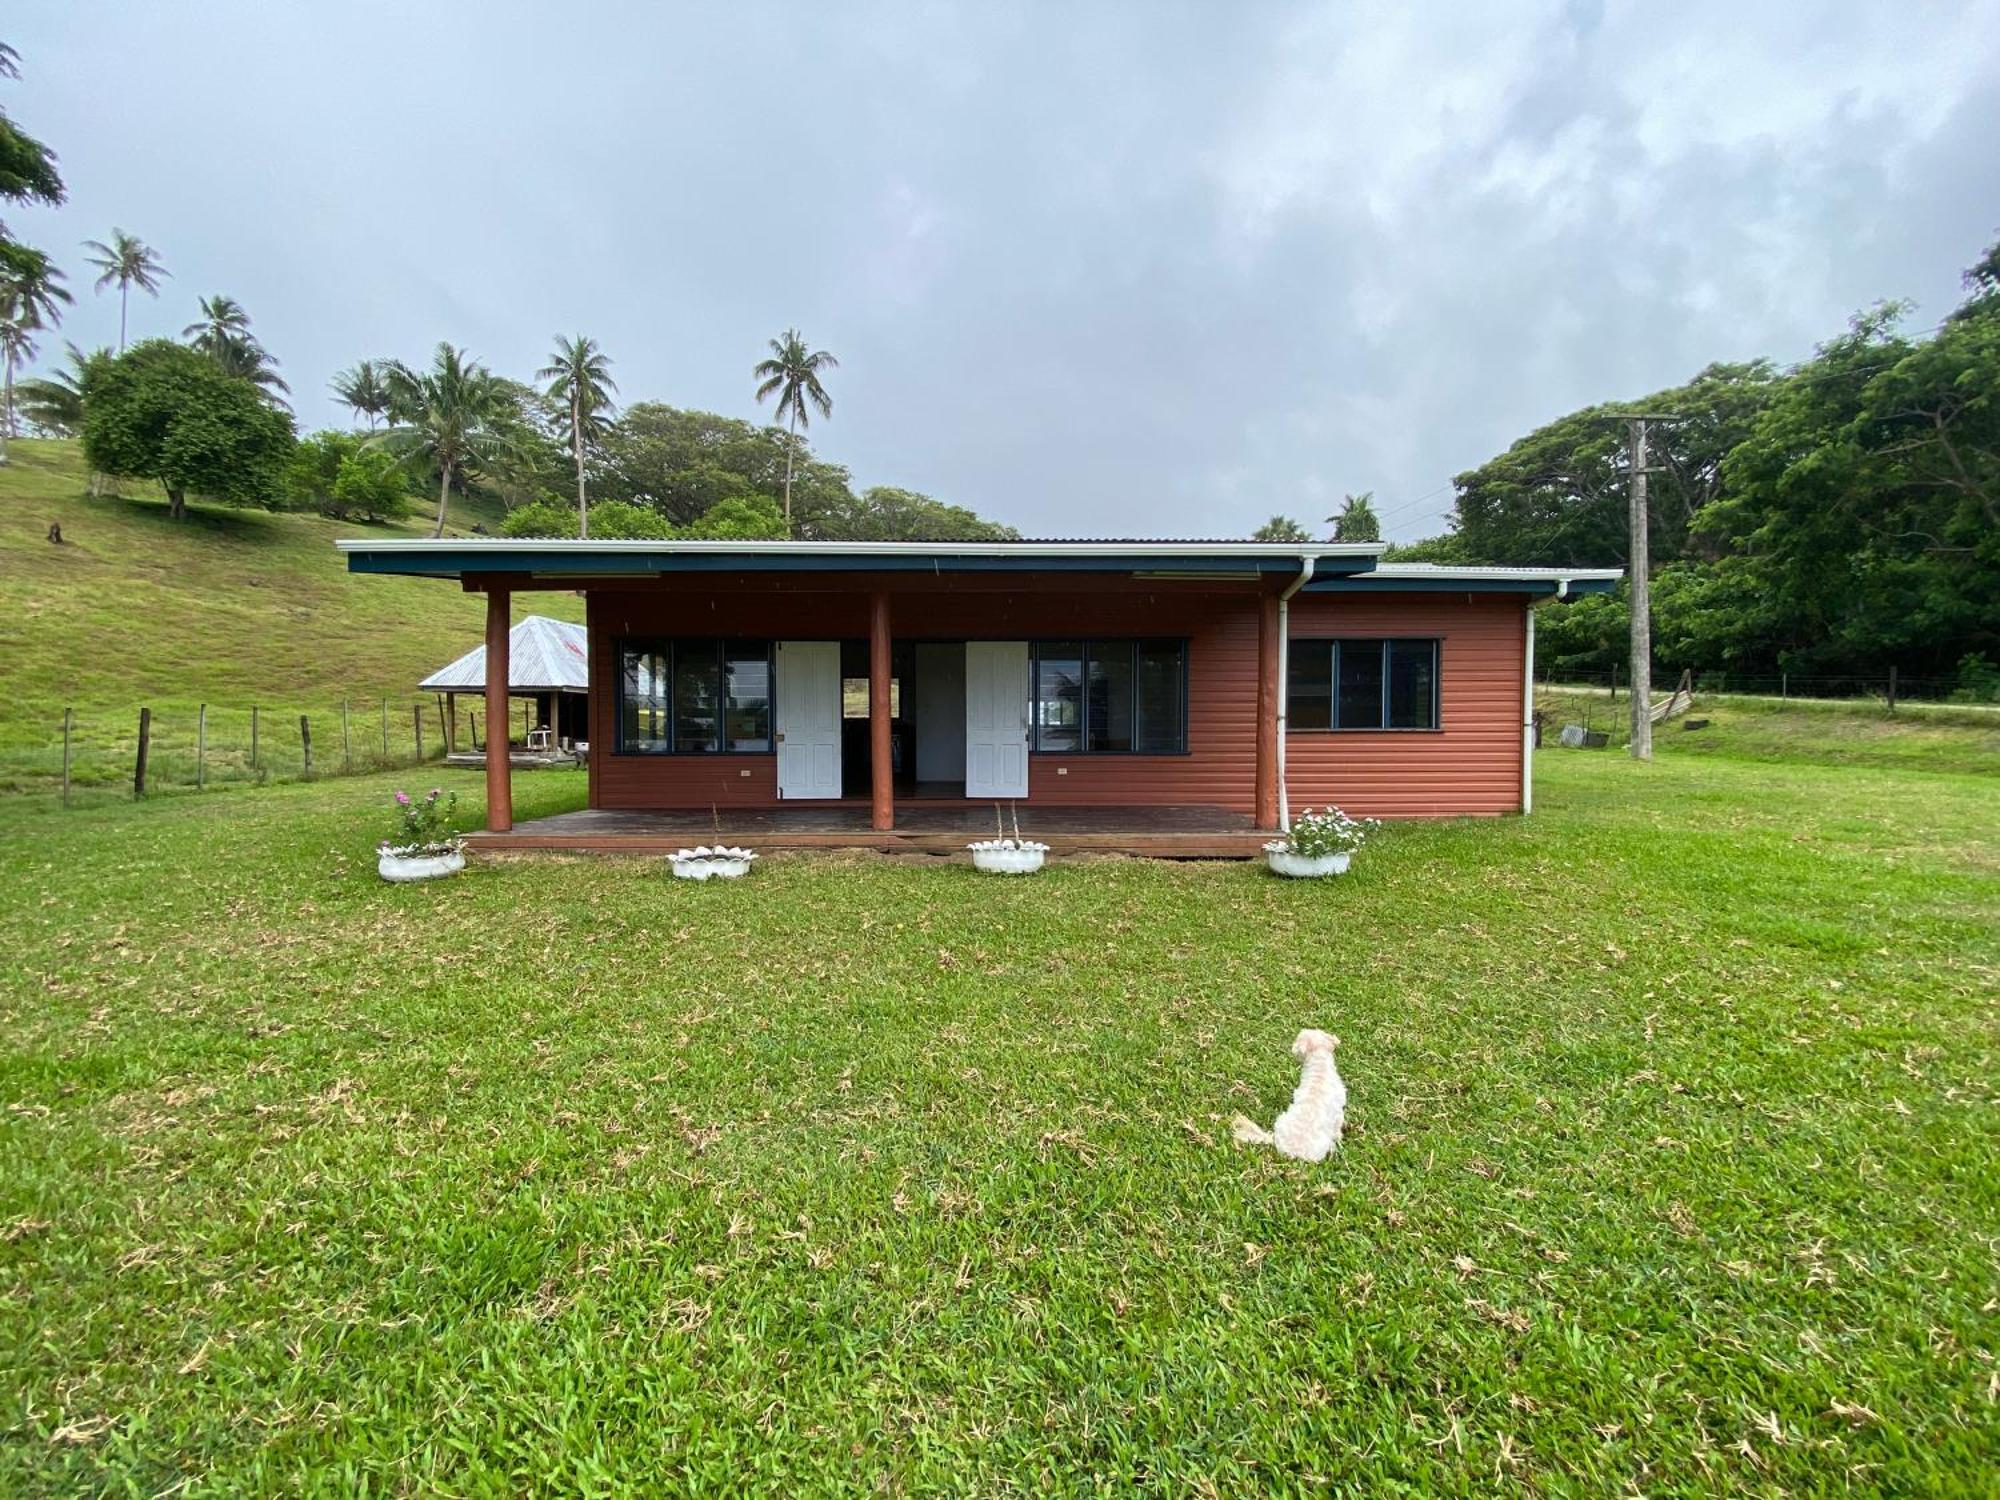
<point>1267,712</point>
<point>450,724</point>
<point>499,767</point>
<point>444,726</point>
<point>139,762</point>
<point>881,766</point>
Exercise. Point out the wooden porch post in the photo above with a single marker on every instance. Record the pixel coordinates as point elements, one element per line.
<point>881,767</point>
<point>499,763</point>
<point>451,724</point>
<point>1267,712</point>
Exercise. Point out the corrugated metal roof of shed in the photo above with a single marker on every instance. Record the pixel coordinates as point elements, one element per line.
<point>543,656</point>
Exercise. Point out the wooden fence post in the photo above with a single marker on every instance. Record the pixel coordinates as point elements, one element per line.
<point>139,765</point>
<point>417,729</point>
<point>306,744</point>
<point>1614,682</point>
<point>1784,687</point>
<point>346,744</point>
<point>69,715</point>
<point>1892,688</point>
<point>201,747</point>
<point>253,736</point>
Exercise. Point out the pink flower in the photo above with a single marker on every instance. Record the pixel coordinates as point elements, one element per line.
<point>402,799</point>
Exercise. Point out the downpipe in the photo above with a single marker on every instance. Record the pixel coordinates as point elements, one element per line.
<point>1285,683</point>
<point>1528,701</point>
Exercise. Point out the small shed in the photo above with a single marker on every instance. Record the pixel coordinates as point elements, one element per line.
<point>548,662</point>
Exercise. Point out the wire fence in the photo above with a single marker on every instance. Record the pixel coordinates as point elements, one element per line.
<point>89,755</point>
<point>1887,687</point>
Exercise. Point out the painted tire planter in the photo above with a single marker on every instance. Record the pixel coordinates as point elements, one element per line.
<point>398,867</point>
<point>1008,856</point>
<point>711,864</point>
<point>1306,866</point>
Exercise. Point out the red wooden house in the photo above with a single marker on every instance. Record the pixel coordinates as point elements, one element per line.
<point>1165,697</point>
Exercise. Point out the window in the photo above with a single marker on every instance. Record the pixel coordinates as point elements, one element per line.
<point>694,697</point>
<point>854,697</point>
<point>1110,697</point>
<point>1362,684</point>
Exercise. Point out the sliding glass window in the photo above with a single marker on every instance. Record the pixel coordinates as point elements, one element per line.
<point>694,697</point>
<point>1362,684</point>
<point>1110,697</point>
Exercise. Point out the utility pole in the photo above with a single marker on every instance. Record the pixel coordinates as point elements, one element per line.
<point>1642,600</point>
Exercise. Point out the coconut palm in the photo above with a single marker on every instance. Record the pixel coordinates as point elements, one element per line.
<point>361,391</point>
<point>129,262</point>
<point>447,416</point>
<point>223,334</point>
<point>579,377</point>
<point>53,404</point>
<point>17,347</point>
<point>793,375</point>
<point>29,302</point>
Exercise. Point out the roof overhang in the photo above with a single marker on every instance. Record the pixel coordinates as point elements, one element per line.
<point>594,559</point>
<point>1429,578</point>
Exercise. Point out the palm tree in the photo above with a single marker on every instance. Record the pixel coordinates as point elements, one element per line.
<point>223,334</point>
<point>1356,520</point>
<point>54,403</point>
<point>794,375</point>
<point>17,347</point>
<point>128,261</point>
<point>446,415</point>
<point>29,302</point>
<point>579,377</point>
<point>361,391</point>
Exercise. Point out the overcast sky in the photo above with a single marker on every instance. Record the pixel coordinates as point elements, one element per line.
<point>1089,268</point>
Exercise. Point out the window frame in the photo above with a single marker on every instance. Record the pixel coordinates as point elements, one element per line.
<point>1382,643</point>
<point>1132,646</point>
<point>672,646</point>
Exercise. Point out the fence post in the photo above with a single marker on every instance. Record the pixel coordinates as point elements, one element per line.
<point>417,729</point>
<point>253,736</point>
<point>346,743</point>
<point>1784,687</point>
<point>1614,682</point>
<point>306,744</point>
<point>139,765</point>
<point>68,716</point>
<point>1892,688</point>
<point>201,747</point>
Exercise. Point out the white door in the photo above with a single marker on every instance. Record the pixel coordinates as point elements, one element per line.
<point>996,719</point>
<point>808,719</point>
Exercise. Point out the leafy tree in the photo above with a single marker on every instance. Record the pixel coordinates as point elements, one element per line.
<point>1430,549</point>
<point>792,374</point>
<point>126,262</point>
<point>1356,520</point>
<point>682,462</point>
<point>580,383</point>
<point>162,411</point>
<point>27,175</point>
<point>540,518</point>
<point>742,518</point>
<point>447,417</point>
<point>884,513</point>
<point>338,475</point>
<point>1281,529</point>
<point>53,404</point>
<point>223,334</point>
<point>614,520</point>
<point>362,390</point>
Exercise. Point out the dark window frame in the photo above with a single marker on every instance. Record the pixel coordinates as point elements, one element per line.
<point>1383,643</point>
<point>672,646</point>
<point>1132,644</point>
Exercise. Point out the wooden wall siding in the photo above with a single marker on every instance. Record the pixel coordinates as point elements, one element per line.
<point>1473,763</point>
<point>1473,766</point>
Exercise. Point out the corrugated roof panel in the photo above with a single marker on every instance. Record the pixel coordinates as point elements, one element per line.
<point>543,655</point>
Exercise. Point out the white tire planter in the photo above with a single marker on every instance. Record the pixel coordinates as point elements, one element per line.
<point>1008,856</point>
<point>400,867</point>
<point>705,863</point>
<point>1306,866</point>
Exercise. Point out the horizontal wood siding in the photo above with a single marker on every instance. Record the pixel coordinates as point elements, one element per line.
<point>1472,763</point>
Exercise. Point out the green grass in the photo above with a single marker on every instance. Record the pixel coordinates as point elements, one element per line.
<point>229,607</point>
<point>1673,1164</point>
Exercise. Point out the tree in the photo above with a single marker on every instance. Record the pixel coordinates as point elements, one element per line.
<point>447,416</point>
<point>27,175</point>
<point>793,375</point>
<point>1356,520</point>
<point>580,382</point>
<point>53,404</point>
<point>361,390</point>
<point>128,262</point>
<point>223,334</point>
<point>29,302</point>
<point>338,475</point>
<point>1281,529</point>
<point>162,411</point>
<point>742,518</point>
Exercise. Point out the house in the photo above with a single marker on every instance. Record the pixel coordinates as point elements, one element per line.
<point>548,663</point>
<point>1170,697</point>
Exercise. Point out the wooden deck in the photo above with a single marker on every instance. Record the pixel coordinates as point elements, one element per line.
<point>1161,832</point>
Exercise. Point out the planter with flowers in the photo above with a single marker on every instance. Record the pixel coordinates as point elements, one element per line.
<point>706,863</point>
<point>1319,843</point>
<point>426,846</point>
<point>1004,855</point>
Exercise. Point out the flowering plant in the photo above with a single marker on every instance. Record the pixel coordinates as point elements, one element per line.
<point>425,825</point>
<point>1315,835</point>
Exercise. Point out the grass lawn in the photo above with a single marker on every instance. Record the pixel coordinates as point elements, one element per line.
<point>1673,1164</point>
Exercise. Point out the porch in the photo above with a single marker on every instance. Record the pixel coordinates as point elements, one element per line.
<point>1165,832</point>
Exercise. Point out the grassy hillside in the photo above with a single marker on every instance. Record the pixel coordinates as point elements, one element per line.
<point>227,607</point>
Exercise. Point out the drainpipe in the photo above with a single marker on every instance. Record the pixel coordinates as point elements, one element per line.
<point>1285,682</point>
<point>1528,705</point>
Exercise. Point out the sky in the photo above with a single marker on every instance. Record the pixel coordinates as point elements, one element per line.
<point>1090,268</point>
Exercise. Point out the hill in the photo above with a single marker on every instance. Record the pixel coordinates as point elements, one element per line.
<point>228,607</point>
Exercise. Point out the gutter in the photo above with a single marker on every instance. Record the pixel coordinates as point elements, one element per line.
<point>1528,699</point>
<point>1307,563</point>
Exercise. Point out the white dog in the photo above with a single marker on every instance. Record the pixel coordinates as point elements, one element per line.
<point>1312,1126</point>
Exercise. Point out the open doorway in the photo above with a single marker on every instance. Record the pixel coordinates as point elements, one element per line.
<point>926,719</point>
<point>938,705</point>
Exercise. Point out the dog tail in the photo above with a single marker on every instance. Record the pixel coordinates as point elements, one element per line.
<point>1249,1132</point>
